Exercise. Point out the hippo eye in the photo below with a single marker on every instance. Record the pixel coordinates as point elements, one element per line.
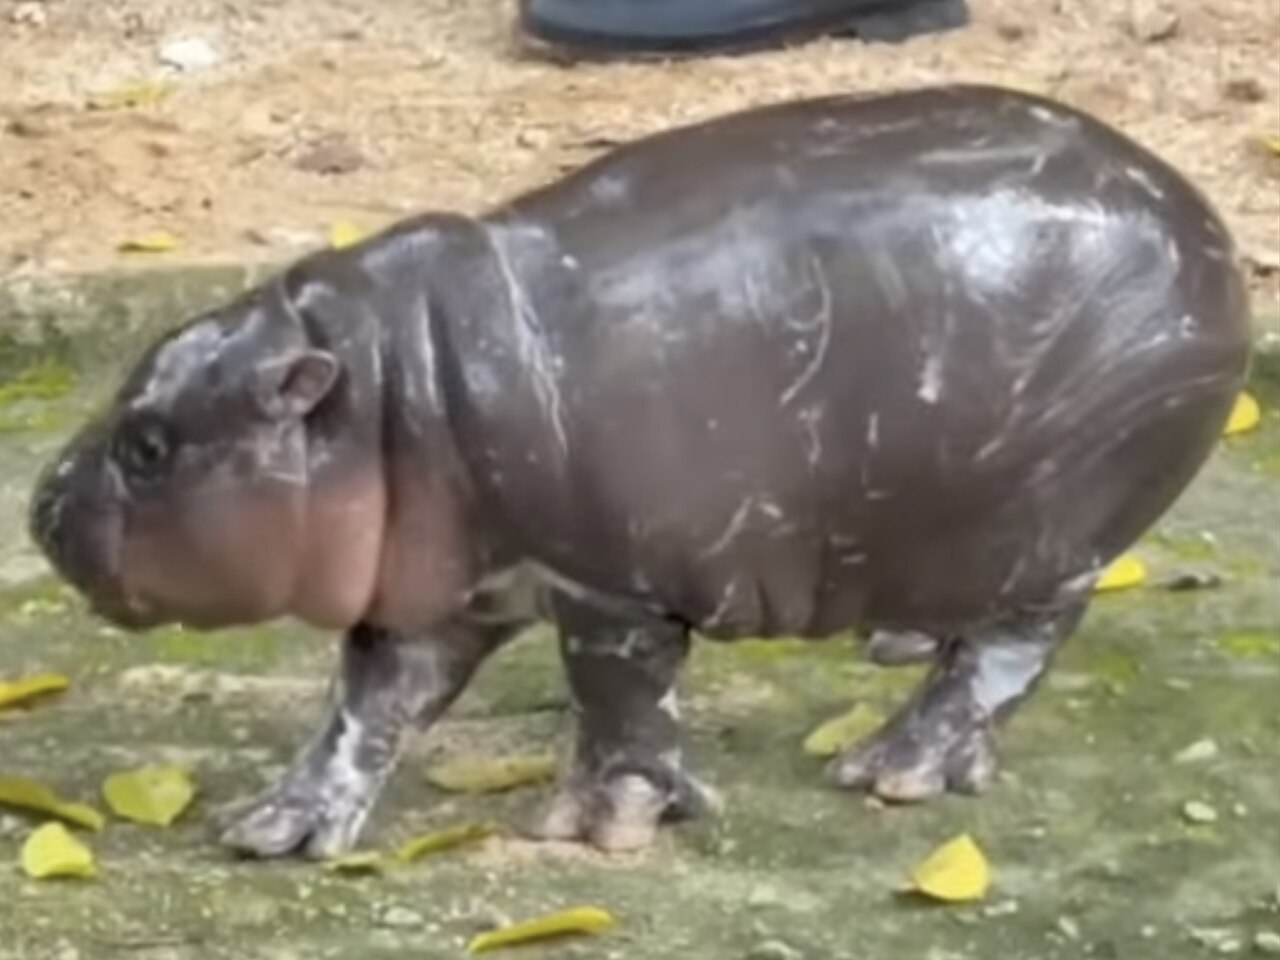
<point>146,449</point>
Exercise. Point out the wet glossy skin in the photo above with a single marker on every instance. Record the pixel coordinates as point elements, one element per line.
<point>920,364</point>
<point>882,373</point>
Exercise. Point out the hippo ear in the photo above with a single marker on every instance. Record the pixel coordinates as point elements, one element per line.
<point>292,387</point>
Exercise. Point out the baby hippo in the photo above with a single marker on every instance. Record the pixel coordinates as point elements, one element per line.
<point>917,364</point>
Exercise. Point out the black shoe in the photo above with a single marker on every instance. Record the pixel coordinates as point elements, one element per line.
<point>716,26</point>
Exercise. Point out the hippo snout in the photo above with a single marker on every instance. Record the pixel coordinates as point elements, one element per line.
<point>76,522</point>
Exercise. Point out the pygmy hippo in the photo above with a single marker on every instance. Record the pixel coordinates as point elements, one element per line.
<point>917,365</point>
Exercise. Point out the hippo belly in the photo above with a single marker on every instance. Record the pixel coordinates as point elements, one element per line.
<point>913,362</point>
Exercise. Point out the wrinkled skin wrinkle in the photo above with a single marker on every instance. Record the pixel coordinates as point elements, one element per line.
<point>532,347</point>
<point>819,322</point>
<point>918,364</point>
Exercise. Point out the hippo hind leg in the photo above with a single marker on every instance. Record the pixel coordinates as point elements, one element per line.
<point>943,738</point>
<point>387,682</point>
<point>627,774</point>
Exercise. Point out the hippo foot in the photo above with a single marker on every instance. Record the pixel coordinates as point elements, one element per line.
<point>622,813</point>
<point>321,818</point>
<point>944,738</point>
<point>921,754</point>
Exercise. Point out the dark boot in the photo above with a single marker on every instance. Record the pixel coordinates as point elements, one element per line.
<point>621,27</point>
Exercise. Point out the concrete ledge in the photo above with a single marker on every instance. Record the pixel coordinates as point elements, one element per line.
<point>97,321</point>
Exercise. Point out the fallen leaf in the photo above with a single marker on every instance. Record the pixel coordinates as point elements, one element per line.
<point>580,920</point>
<point>29,795</point>
<point>375,861</point>
<point>954,873</point>
<point>157,241</point>
<point>1245,415</point>
<point>154,795</point>
<point>839,733</point>
<point>1125,572</point>
<point>142,94</point>
<point>1272,143</point>
<point>442,840</point>
<point>344,233</point>
<point>361,861</point>
<point>14,692</point>
<point>469,775</point>
<point>51,851</point>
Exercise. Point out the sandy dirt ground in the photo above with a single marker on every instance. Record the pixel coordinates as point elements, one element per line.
<point>294,114</point>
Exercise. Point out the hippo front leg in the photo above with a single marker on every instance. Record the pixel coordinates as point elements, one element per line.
<point>627,774</point>
<point>943,738</point>
<point>386,683</point>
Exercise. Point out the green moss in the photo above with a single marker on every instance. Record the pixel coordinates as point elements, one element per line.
<point>176,645</point>
<point>1084,823</point>
<point>245,649</point>
<point>1117,670</point>
<point>1252,643</point>
<point>1264,375</point>
<point>46,380</point>
<point>46,593</point>
<point>1184,546</point>
<point>1269,464</point>
<point>26,398</point>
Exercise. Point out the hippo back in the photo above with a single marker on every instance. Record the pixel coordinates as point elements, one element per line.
<point>912,358</point>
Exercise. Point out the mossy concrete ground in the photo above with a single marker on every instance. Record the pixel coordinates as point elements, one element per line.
<point>1092,853</point>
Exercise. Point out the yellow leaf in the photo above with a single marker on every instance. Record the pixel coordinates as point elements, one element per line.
<point>344,233</point>
<point>1272,143</point>
<point>29,795</point>
<point>15,692</point>
<point>141,94</point>
<point>157,241</point>
<point>580,920</point>
<point>442,840</point>
<point>839,733</point>
<point>1245,415</point>
<point>51,851</point>
<point>362,861</point>
<point>464,775</point>
<point>1126,571</point>
<point>956,872</point>
<point>155,795</point>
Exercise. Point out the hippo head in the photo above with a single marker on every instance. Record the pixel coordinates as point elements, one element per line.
<point>189,498</point>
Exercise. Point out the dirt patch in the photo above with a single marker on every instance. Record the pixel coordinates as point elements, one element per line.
<point>515,852</point>
<point>299,113</point>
